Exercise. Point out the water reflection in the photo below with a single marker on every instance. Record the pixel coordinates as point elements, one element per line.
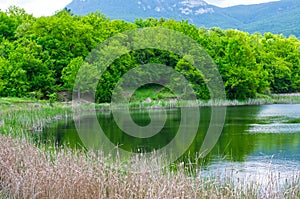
<point>259,170</point>
<point>251,134</point>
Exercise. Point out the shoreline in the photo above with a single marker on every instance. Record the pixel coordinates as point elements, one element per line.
<point>69,172</point>
<point>165,104</point>
<point>284,98</point>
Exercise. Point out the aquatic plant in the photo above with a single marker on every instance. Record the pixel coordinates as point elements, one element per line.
<point>28,171</point>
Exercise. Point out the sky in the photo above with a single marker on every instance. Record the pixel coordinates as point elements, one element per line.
<point>48,7</point>
<point>36,7</point>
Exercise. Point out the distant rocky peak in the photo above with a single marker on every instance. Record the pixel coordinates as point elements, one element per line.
<point>185,7</point>
<point>276,17</point>
<point>193,3</point>
<point>195,7</point>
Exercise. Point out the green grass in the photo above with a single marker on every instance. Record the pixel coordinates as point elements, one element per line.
<point>162,97</point>
<point>153,91</point>
<point>13,100</point>
<point>20,117</point>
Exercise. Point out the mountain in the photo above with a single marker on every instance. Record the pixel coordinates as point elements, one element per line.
<point>276,17</point>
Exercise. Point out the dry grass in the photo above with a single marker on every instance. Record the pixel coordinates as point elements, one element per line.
<point>27,171</point>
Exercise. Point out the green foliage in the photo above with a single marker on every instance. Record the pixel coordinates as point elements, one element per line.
<point>43,55</point>
<point>10,20</point>
<point>194,76</point>
<point>70,71</point>
<point>37,95</point>
<point>13,79</point>
<point>52,98</point>
<point>7,26</point>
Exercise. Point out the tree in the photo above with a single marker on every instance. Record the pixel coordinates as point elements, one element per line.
<point>10,20</point>
<point>69,73</point>
<point>13,80</point>
<point>30,57</point>
<point>8,25</point>
<point>194,77</point>
<point>63,37</point>
<point>280,60</point>
<point>239,69</point>
<point>44,54</point>
<point>81,77</point>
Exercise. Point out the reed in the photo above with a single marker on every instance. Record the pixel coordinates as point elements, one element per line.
<point>291,98</point>
<point>30,172</point>
<point>173,103</point>
<point>18,120</point>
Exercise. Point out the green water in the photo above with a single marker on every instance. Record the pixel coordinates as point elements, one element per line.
<point>252,136</point>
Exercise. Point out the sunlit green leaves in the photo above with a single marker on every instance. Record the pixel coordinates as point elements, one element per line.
<point>44,55</point>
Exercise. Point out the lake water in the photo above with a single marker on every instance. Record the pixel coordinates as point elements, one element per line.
<point>255,139</point>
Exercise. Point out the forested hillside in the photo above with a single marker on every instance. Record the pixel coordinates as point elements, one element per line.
<point>277,17</point>
<point>41,56</point>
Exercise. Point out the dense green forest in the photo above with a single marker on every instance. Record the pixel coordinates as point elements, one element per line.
<point>41,56</point>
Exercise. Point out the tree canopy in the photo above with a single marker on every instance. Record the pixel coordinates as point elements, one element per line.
<point>44,55</point>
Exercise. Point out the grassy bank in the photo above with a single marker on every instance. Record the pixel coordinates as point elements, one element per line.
<point>174,103</point>
<point>31,171</point>
<point>160,96</point>
<point>291,98</point>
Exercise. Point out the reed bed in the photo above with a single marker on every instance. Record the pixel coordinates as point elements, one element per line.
<point>28,171</point>
<point>18,120</point>
<point>293,98</point>
<point>174,103</point>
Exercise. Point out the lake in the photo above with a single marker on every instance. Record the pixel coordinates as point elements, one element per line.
<point>254,141</point>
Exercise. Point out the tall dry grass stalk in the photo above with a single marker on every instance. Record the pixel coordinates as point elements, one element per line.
<point>27,171</point>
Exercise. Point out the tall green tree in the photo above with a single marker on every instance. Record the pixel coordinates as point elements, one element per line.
<point>30,57</point>
<point>13,80</point>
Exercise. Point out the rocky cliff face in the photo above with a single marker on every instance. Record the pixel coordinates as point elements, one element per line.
<point>277,17</point>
